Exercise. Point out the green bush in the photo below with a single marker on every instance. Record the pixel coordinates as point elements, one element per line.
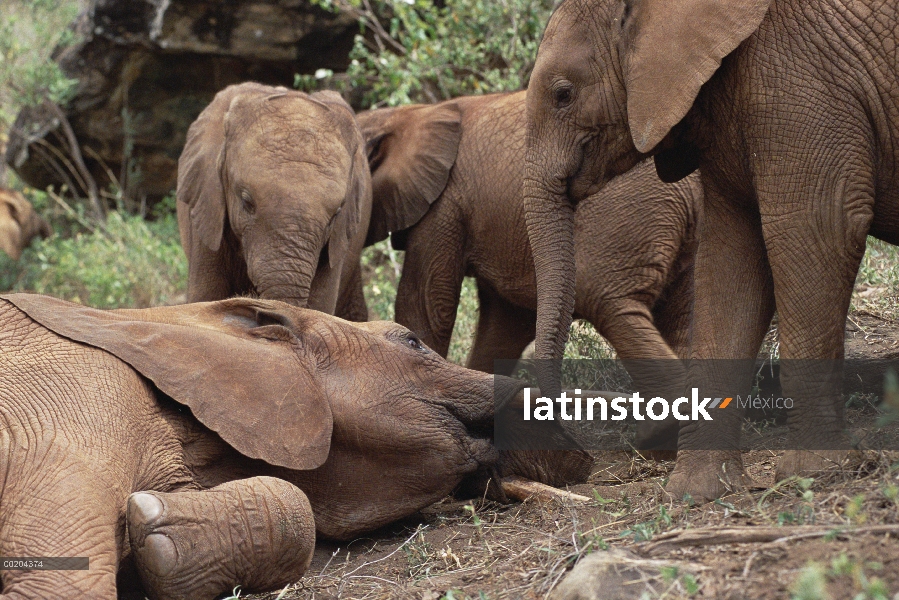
<point>30,30</point>
<point>416,51</point>
<point>127,262</point>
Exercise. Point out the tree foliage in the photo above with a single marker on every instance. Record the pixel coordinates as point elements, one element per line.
<point>427,50</point>
<point>30,30</point>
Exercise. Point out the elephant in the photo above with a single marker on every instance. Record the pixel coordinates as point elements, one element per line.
<point>274,198</point>
<point>201,446</point>
<point>635,286</point>
<point>19,223</point>
<point>790,112</point>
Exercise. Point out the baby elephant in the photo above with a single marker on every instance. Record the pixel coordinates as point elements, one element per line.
<point>19,224</point>
<point>274,198</point>
<point>635,240</point>
<point>196,442</point>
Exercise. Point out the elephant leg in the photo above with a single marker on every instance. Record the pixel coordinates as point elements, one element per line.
<point>815,254</point>
<point>257,533</point>
<point>60,510</point>
<point>504,331</point>
<point>733,306</point>
<point>654,368</point>
<point>433,270</point>
<point>673,313</point>
<point>351,303</point>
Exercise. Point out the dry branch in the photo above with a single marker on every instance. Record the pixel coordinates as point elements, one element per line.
<point>749,535</point>
<point>520,488</point>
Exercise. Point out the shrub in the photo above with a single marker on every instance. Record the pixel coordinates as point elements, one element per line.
<point>422,51</point>
<point>30,30</point>
<point>126,262</point>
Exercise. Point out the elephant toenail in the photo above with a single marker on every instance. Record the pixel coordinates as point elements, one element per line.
<point>144,507</point>
<point>159,554</point>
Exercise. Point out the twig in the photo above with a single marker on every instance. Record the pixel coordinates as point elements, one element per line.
<point>522,489</point>
<point>748,564</point>
<point>75,151</point>
<point>748,535</point>
<point>71,211</point>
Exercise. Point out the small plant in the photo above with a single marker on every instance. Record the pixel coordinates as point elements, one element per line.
<point>855,510</point>
<point>811,584</point>
<point>419,554</point>
<point>804,511</point>
<point>868,589</point>
<point>475,519</point>
<point>643,532</point>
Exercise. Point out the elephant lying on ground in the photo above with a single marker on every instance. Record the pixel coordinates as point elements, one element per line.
<point>635,239</point>
<point>199,440</point>
<point>790,109</point>
<point>19,224</point>
<point>274,198</point>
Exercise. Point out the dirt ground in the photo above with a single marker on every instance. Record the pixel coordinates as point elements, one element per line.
<point>481,549</point>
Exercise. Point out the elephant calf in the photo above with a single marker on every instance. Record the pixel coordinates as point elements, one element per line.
<point>196,442</point>
<point>19,224</point>
<point>635,240</point>
<point>274,199</point>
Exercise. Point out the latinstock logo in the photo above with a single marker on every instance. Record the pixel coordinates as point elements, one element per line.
<point>599,407</point>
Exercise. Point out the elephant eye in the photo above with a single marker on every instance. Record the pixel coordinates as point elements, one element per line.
<point>247,202</point>
<point>563,93</point>
<point>414,343</point>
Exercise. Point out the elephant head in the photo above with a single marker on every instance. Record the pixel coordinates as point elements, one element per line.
<point>367,421</point>
<point>19,224</point>
<point>273,196</point>
<point>411,151</point>
<point>612,81</point>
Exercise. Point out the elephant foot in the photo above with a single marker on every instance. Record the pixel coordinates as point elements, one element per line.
<point>802,463</point>
<point>257,533</point>
<point>701,476</point>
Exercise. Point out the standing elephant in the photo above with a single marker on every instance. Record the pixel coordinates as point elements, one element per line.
<point>790,109</point>
<point>274,198</point>
<point>19,224</point>
<point>635,239</point>
<point>196,443</point>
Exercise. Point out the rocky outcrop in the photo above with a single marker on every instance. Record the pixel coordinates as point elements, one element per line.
<point>146,68</point>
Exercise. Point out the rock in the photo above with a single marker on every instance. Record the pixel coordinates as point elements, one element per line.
<point>146,68</point>
<point>616,575</point>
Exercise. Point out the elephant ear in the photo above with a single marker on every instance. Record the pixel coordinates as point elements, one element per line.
<point>201,189</point>
<point>672,48</point>
<point>411,151</point>
<point>347,222</point>
<point>358,192</point>
<point>242,366</point>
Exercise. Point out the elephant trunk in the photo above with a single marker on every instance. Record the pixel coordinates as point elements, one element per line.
<point>285,274</point>
<point>550,223</point>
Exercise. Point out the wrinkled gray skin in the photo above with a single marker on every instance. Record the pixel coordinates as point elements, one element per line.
<point>791,113</point>
<point>274,199</point>
<point>635,243</point>
<point>366,421</point>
